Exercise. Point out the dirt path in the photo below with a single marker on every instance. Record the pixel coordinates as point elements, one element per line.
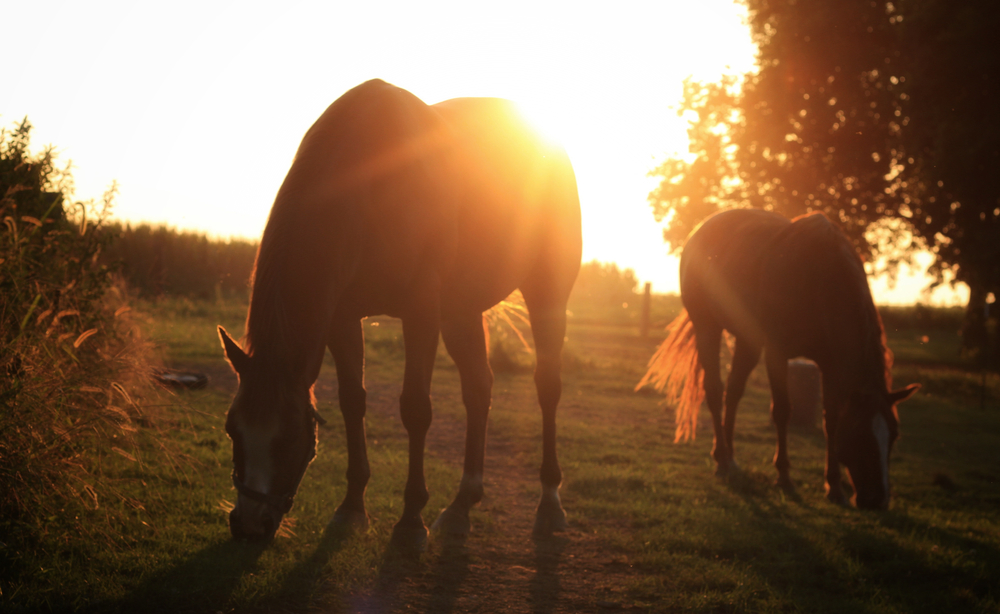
<point>500,568</point>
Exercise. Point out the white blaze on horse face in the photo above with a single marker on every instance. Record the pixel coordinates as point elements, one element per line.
<point>880,428</point>
<point>258,450</point>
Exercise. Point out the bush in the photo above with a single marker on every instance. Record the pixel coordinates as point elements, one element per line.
<point>68,363</point>
<point>603,283</point>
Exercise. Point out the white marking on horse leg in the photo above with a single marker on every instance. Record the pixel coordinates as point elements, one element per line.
<point>550,517</point>
<point>550,493</point>
<point>880,428</point>
<point>454,519</point>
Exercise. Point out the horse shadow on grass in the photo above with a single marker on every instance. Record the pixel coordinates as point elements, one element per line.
<point>881,569</point>
<point>958,573</point>
<point>303,583</point>
<point>424,581</point>
<point>545,587</point>
<point>441,583</point>
<point>205,582</point>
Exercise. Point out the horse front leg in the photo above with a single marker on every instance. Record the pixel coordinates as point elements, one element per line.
<point>347,344</point>
<point>466,342</point>
<point>707,339</point>
<point>781,411</point>
<point>833,406</point>
<point>420,334</point>
<point>745,358</point>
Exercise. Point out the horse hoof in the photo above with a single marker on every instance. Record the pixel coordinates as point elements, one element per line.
<point>409,538</point>
<point>549,520</point>
<point>724,470</point>
<point>352,520</point>
<point>453,523</point>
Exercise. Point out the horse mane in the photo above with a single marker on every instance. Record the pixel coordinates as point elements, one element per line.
<point>314,235</point>
<point>877,352</point>
<point>267,318</point>
<point>883,355</point>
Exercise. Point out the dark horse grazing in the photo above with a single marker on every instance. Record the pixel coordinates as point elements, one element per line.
<point>788,289</point>
<point>432,214</point>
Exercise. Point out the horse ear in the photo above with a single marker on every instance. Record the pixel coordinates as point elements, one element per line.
<point>238,359</point>
<point>898,396</point>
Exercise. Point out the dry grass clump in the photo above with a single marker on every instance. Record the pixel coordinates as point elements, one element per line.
<point>71,367</point>
<point>505,325</point>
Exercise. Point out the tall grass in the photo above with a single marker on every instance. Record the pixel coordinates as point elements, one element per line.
<point>71,369</point>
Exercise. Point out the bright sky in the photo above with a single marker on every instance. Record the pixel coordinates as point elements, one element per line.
<point>196,108</point>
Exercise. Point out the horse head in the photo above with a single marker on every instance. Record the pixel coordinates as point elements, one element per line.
<point>272,424</point>
<point>864,440</point>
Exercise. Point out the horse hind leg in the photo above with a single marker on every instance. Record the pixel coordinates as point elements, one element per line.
<point>781,411</point>
<point>548,328</point>
<point>745,358</point>
<point>465,340</point>
<point>707,342</point>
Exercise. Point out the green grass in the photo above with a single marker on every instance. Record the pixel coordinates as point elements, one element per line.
<point>651,528</point>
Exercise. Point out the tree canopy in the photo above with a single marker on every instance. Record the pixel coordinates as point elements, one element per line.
<point>879,114</point>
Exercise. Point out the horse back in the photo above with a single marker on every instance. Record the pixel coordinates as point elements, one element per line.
<point>815,298</point>
<point>519,211</point>
<point>720,268</point>
<point>363,214</point>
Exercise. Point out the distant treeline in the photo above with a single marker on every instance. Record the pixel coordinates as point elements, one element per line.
<point>604,282</point>
<point>159,260</point>
<point>921,317</point>
<point>163,261</point>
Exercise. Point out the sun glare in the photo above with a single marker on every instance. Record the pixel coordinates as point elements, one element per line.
<point>548,123</point>
<point>600,80</point>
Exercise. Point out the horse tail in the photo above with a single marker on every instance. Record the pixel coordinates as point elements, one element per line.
<point>676,370</point>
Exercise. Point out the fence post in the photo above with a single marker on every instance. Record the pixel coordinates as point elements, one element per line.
<point>646,303</point>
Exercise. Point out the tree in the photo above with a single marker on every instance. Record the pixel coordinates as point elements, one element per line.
<point>952,144</point>
<point>809,131</point>
<point>877,115</point>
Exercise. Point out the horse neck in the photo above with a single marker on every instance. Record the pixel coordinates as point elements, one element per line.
<point>875,375</point>
<point>876,360</point>
<point>286,323</point>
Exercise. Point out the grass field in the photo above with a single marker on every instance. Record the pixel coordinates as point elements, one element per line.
<point>651,529</point>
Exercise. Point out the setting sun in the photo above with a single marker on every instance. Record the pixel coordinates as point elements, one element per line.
<point>197,111</point>
<point>199,127</point>
<point>367,307</point>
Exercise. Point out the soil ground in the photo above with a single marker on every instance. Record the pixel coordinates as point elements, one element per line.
<point>500,567</point>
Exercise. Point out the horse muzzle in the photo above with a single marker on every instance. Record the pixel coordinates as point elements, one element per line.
<point>253,521</point>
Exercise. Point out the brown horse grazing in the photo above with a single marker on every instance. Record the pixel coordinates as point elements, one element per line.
<point>788,289</point>
<point>432,214</point>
